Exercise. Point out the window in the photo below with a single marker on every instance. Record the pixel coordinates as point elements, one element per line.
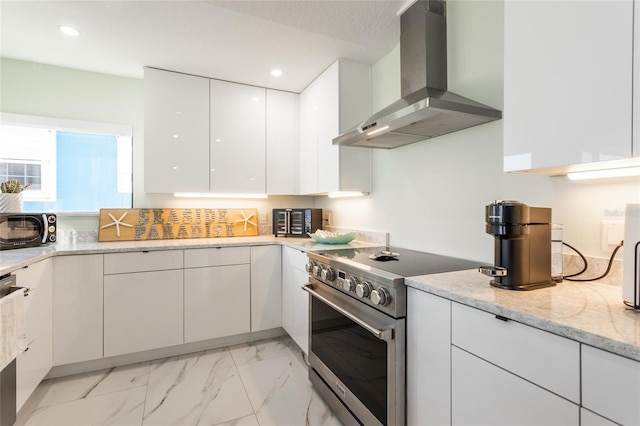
<point>72,166</point>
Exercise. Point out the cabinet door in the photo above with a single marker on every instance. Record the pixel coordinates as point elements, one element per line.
<point>282,142</point>
<point>77,308</point>
<point>611,385</point>
<point>176,132</point>
<point>337,100</point>
<point>238,149</point>
<point>216,302</point>
<point>266,287</point>
<point>142,311</point>
<point>34,364</point>
<point>295,301</point>
<point>567,82</point>
<point>428,359</point>
<point>328,116</point>
<point>309,164</point>
<point>300,315</point>
<point>549,360</point>
<point>483,394</point>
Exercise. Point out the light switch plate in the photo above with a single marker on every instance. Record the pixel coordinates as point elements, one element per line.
<point>612,234</point>
<point>263,218</point>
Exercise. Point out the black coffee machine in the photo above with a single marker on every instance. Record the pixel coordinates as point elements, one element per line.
<point>522,254</point>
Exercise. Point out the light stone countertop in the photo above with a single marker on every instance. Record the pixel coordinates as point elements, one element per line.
<point>11,260</point>
<point>589,313</point>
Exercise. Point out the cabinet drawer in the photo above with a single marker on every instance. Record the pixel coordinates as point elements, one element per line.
<point>483,394</point>
<point>142,261</point>
<point>611,385</point>
<point>545,359</point>
<point>216,256</point>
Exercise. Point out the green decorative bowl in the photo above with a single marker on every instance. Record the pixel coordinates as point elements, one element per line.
<point>326,237</point>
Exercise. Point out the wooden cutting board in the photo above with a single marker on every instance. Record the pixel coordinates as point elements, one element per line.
<point>171,224</point>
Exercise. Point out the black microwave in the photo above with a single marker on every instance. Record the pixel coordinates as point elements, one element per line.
<point>18,230</point>
<point>296,222</point>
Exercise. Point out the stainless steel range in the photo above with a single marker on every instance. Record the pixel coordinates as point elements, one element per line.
<point>357,328</point>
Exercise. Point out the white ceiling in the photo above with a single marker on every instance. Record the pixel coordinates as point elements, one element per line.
<point>231,40</point>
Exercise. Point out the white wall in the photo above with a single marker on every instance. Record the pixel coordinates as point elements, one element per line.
<point>50,91</point>
<point>431,195</point>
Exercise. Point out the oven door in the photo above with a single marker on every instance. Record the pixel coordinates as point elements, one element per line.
<point>359,355</point>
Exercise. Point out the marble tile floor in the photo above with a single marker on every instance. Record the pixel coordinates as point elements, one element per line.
<point>257,384</point>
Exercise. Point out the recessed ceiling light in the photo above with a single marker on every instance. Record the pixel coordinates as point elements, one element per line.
<point>69,31</point>
<point>276,72</point>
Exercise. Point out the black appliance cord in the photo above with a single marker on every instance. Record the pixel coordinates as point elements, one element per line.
<point>569,277</point>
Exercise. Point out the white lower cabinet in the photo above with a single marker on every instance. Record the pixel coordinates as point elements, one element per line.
<point>77,308</point>
<point>266,287</point>
<point>295,301</point>
<point>428,359</point>
<point>611,385</point>
<point>142,311</point>
<point>543,358</point>
<point>34,364</point>
<point>484,394</point>
<point>216,302</point>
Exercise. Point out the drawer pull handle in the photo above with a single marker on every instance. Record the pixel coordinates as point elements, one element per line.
<point>501,318</point>
<point>145,251</point>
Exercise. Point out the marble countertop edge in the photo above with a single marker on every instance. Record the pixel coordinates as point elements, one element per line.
<point>12,260</point>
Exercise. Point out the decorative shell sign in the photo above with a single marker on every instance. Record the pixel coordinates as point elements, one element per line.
<point>172,224</point>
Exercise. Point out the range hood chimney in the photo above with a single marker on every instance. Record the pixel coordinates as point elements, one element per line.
<point>426,109</point>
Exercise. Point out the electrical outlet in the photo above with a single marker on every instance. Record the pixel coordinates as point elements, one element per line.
<point>263,218</point>
<point>326,217</point>
<point>612,234</point>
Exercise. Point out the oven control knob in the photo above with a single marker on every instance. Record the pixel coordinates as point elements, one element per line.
<point>328,274</point>
<point>363,290</point>
<point>317,271</point>
<point>350,284</point>
<point>309,266</point>
<point>380,297</point>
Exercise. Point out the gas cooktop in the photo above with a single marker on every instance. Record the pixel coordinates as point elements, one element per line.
<point>398,261</point>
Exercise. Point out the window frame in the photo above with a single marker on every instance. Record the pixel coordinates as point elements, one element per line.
<point>79,126</point>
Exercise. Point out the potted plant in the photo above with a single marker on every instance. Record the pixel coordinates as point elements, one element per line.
<point>11,196</point>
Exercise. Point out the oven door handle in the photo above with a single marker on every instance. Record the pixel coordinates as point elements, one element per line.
<point>386,335</point>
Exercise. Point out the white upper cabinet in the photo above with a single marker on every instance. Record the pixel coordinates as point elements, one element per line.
<point>205,135</point>
<point>336,101</point>
<point>282,142</point>
<point>237,138</point>
<point>176,132</point>
<point>567,83</point>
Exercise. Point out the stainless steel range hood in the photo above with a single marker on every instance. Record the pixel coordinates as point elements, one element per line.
<point>426,109</point>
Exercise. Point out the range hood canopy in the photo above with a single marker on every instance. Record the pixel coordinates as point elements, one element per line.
<point>426,109</point>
